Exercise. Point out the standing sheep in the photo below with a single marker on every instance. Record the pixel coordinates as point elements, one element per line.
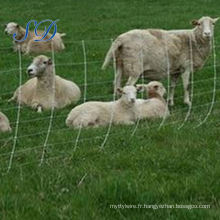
<point>30,45</point>
<point>38,92</point>
<point>94,114</point>
<point>156,53</point>
<point>155,106</point>
<point>4,123</point>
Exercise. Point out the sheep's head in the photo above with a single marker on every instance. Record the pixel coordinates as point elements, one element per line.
<point>128,94</point>
<point>4,123</point>
<point>11,28</point>
<point>205,26</point>
<point>39,66</point>
<point>153,87</point>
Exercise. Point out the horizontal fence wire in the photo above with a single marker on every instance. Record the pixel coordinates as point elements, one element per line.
<point>81,140</point>
<point>68,129</point>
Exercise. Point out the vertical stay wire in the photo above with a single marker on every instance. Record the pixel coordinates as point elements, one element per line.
<point>113,110</point>
<point>168,82</point>
<point>142,94</point>
<point>52,110</point>
<point>18,113</point>
<point>85,90</point>
<point>192,84</point>
<point>214,83</point>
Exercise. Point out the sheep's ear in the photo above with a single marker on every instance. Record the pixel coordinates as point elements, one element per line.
<point>140,88</point>
<point>215,20</point>
<point>49,61</point>
<point>195,22</point>
<point>119,90</point>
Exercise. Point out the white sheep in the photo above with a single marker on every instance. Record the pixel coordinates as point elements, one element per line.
<point>157,53</point>
<point>30,45</point>
<point>155,106</point>
<point>4,123</point>
<point>38,92</point>
<point>95,114</point>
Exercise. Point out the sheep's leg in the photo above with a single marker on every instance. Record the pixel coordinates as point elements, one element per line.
<point>27,51</point>
<point>12,98</point>
<point>174,80</point>
<point>117,83</point>
<point>129,123</point>
<point>133,70</point>
<point>132,80</point>
<point>39,109</point>
<point>185,78</point>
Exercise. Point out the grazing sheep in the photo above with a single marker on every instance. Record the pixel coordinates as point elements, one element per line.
<point>155,53</point>
<point>155,106</point>
<point>94,114</point>
<point>4,123</point>
<point>31,46</point>
<point>38,91</point>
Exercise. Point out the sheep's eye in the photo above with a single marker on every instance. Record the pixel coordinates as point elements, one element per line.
<point>45,62</point>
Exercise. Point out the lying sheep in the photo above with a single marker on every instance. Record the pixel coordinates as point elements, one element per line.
<point>94,114</point>
<point>4,123</point>
<point>155,106</point>
<point>156,53</point>
<point>29,45</point>
<point>38,91</point>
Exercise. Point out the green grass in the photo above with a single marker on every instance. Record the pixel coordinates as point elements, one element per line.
<point>166,166</point>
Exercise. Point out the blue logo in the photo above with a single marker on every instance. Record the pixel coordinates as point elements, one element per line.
<point>44,34</point>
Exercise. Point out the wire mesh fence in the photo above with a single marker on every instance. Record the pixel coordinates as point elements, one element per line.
<point>33,132</point>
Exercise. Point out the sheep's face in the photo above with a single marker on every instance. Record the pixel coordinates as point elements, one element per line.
<point>205,25</point>
<point>39,66</point>
<point>11,28</point>
<point>154,87</point>
<point>128,94</point>
<point>4,124</point>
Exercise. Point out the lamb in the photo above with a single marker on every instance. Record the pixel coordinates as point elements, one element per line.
<point>157,53</point>
<point>38,92</point>
<point>155,106</point>
<point>95,113</point>
<point>29,45</point>
<point>4,123</point>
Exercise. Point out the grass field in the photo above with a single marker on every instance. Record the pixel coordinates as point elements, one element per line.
<point>155,166</point>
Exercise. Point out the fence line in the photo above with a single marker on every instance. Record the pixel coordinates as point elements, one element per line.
<point>214,83</point>
<point>52,110</point>
<point>168,84</point>
<point>69,142</point>
<point>68,129</point>
<point>65,115</point>
<point>81,63</point>
<point>113,109</point>
<point>85,90</point>
<point>18,115</point>
<point>192,84</point>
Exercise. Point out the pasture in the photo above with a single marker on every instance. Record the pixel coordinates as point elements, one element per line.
<point>169,164</point>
